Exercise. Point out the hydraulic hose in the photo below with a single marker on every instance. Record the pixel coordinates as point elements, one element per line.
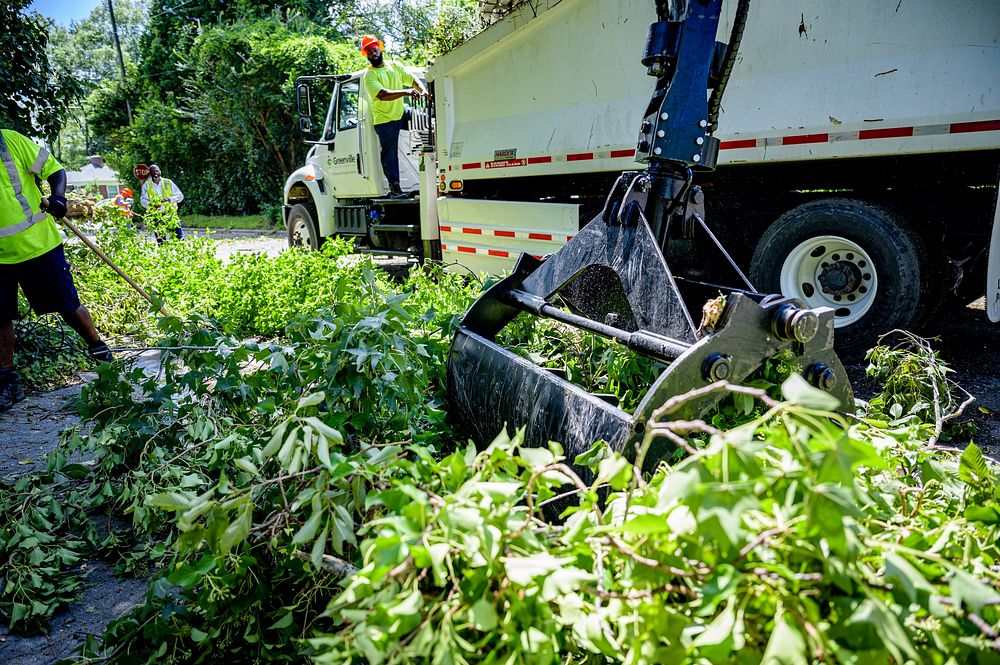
<point>735,37</point>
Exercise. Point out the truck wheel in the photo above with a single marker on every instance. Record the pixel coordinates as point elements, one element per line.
<point>302,228</point>
<point>861,259</point>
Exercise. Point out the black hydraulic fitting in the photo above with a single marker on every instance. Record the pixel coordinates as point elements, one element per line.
<point>791,323</point>
<point>662,46</point>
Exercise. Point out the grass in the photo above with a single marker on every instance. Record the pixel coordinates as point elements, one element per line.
<point>228,222</point>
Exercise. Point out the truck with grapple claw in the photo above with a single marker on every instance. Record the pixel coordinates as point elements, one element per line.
<point>857,163</point>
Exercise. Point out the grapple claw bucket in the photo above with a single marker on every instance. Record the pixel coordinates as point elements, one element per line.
<point>614,281</point>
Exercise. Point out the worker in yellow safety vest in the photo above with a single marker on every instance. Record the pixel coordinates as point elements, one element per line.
<point>159,191</point>
<point>387,82</point>
<point>31,254</point>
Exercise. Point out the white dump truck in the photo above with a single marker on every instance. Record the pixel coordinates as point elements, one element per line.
<point>858,166</point>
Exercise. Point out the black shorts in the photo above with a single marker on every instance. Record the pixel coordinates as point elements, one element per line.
<point>46,281</point>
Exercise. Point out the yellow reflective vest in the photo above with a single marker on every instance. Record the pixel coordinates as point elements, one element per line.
<point>25,231</point>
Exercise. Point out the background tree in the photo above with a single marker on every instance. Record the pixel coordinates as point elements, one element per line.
<point>85,51</point>
<point>34,97</point>
<point>212,89</point>
<point>227,135</point>
<point>85,48</point>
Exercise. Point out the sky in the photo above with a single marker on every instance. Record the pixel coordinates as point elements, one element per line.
<point>64,11</point>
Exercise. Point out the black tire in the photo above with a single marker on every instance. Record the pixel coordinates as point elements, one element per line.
<point>303,231</point>
<point>868,264</point>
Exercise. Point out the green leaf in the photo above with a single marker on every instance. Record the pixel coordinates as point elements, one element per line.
<point>277,437</point>
<point>238,530</point>
<point>787,645</point>
<point>312,399</point>
<point>408,605</point>
<point>245,464</point>
<point>894,637</point>
<point>905,577</point>
<point>484,615</point>
<point>309,529</point>
<point>171,500</point>
<point>323,452</point>
<point>521,570</point>
<point>616,471</point>
<point>319,549</point>
<point>563,581</point>
<point>971,592</point>
<point>716,641</point>
<point>646,524</point>
<point>537,458</point>
<point>332,435</point>
<point>972,467</point>
<point>284,622</point>
<point>797,390</point>
<point>593,457</point>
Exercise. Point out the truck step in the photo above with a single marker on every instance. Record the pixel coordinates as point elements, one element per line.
<point>394,228</point>
<point>385,252</point>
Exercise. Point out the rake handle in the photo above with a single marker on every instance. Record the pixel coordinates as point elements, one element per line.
<point>104,257</point>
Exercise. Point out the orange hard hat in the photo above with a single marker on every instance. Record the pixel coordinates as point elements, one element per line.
<point>126,191</point>
<point>370,40</point>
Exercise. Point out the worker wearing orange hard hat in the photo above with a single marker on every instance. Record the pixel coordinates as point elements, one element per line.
<point>124,201</point>
<point>387,82</point>
<point>370,40</point>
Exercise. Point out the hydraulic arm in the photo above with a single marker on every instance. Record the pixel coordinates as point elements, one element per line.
<point>612,279</point>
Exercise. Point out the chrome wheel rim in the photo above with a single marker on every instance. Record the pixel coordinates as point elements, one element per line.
<point>301,237</point>
<point>831,271</point>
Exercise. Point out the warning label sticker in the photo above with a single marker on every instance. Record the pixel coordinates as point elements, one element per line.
<point>506,163</point>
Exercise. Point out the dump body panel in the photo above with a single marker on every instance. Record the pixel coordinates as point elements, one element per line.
<point>556,87</point>
<point>488,236</point>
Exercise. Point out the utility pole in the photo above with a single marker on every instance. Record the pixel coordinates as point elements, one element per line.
<point>121,61</point>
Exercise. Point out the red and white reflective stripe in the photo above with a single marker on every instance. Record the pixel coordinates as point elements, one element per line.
<point>906,131</point>
<point>508,233</point>
<point>484,251</point>
<point>749,143</point>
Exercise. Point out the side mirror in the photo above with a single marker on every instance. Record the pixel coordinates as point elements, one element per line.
<point>305,124</point>
<point>303,101</point>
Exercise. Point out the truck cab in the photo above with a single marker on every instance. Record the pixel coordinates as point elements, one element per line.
<point>341,190</point>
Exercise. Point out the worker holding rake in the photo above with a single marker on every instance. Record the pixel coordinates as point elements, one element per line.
<point>31,254</point>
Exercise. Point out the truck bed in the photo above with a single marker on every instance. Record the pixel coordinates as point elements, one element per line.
<point>557,88</point>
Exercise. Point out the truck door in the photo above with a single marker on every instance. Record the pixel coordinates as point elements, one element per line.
<point>347,164</point>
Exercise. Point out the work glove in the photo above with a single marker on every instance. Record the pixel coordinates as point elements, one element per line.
<point>57,206</point>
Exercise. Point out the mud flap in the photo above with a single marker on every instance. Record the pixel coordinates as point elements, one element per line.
<point>993,269</point>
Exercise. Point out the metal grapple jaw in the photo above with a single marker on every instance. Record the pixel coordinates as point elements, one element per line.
<point>612,280</point>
